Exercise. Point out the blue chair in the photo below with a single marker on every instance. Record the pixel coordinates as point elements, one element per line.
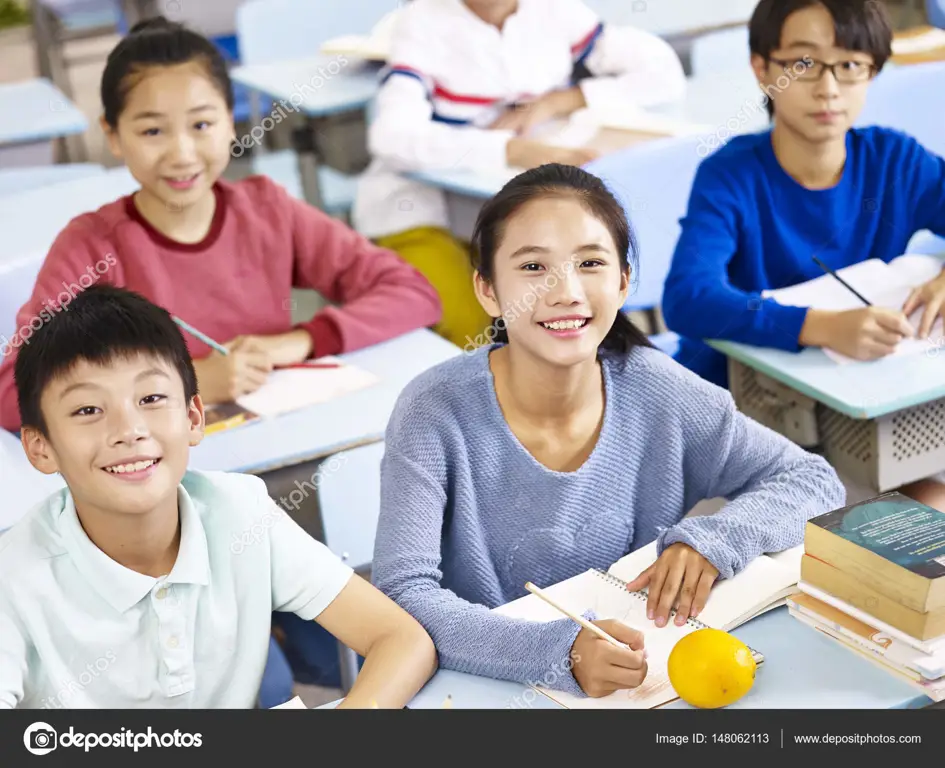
<point>910,99</point>
<point>935,11</point>
<point>277,30</point>
<point>652,181</point>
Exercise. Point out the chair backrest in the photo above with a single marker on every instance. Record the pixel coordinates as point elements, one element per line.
<point>935,11</point>
<point>910,99</point>
<point>725,50</point>
<point>275,30</point>
<point>652,182</point>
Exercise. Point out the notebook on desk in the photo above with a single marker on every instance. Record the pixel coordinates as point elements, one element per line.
<point>288,390</point>
<point>882,284</point>
<point>764,584</point>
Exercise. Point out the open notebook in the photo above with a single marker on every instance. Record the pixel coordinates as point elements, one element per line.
<point>764,584</point>
<point>291,389</point>
<point>882,284</point>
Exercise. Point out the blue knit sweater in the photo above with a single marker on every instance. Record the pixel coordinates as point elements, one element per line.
<point>468,515</point>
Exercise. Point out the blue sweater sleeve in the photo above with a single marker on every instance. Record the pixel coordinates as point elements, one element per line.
<point>773,486</point>
<point>927,186</point>
<point>407,557</point>
<point>699,301</point>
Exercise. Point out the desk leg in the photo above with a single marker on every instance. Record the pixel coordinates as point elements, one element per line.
<point>306,148</point>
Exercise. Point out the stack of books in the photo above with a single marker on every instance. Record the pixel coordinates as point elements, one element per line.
<point>873,579</point>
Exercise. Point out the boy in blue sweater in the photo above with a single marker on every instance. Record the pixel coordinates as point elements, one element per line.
<point>765,204</point>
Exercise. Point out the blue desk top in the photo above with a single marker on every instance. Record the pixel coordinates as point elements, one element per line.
<point>351,87</point>
<point>859,390</point>
<point>35,110</point>
<point>802,670</point>
<point>330,427</point>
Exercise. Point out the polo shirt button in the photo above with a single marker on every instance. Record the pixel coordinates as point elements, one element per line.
<point>173,642</point>
<point>161,593</point>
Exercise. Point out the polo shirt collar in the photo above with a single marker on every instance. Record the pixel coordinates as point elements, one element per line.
<point>122,587</point>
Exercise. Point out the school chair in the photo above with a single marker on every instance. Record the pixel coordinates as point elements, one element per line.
<point>909,99</point>
<point>652,182</point>
<point>13,180</point>
<point>724,50</point>
<point>270,31</point>
<point>935,12</point>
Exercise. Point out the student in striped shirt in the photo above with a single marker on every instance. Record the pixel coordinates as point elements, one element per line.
<point>466,82</point>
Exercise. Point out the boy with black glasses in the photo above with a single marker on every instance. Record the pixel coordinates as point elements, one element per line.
<point>812,186</point>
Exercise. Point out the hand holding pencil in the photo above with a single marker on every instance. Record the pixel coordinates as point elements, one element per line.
<point>608,655</point>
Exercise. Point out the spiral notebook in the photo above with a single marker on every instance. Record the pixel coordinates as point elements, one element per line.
<point>764,584</point>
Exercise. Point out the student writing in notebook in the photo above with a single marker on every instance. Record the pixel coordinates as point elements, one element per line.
<point>466,82</point>
<point>764,205</point>
<point>221,256</point>
<point>130,572</point>
<point>566,444</point>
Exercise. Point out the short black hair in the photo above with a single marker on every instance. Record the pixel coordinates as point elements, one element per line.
<point>101,324</point>
<point>557,180</point>
<point>158,42</point>
<point>859,25</point>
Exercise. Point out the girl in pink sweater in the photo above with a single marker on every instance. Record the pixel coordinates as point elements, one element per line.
<point>222,256</point>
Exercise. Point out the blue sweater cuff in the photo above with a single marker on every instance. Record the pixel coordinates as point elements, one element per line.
<point>784,324</point>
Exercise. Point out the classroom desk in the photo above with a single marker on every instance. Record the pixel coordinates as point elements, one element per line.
<point>326,88</point>
<point>321,430</point>
<point>802,670</point>
<point>33,114</point>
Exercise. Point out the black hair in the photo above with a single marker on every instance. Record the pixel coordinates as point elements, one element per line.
<point>557,180</point>
<point>158,42</point>
<point>101,324</point>
<point>859,25</point>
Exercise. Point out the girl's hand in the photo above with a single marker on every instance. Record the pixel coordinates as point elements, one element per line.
<point>282,348</point>
<point>932,297</point>
<point>600,667</point>
<point>224,378</point>
<point>679,575</point>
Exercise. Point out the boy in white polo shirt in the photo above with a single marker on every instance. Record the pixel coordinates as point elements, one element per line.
<point>125,589</point>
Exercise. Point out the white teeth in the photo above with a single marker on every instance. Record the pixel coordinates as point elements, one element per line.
<point>138,466</point>
<point>563,325</point>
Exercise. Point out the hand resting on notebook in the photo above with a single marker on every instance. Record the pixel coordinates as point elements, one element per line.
<point>931,295</point>
<point>681,578</point>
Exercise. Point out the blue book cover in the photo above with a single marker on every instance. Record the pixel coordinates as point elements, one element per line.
<point>896,528</point>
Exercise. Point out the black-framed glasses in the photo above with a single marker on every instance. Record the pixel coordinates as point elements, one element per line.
<point>811,70</point>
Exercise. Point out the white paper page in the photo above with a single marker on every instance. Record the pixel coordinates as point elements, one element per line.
<point>295,703</point>
<point>292,389</point>
<point>732,601</point>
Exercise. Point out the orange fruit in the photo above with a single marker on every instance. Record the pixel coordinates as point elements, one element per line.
<point>710,668</point>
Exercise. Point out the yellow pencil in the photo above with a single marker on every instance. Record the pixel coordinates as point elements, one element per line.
<point>574,617</point>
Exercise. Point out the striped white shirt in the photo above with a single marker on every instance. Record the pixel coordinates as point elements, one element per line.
<point>451,74</point>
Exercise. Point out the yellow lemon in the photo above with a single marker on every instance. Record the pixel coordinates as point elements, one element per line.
<point>710,668</point>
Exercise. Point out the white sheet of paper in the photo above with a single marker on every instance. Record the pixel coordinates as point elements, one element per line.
<point>295,703</point>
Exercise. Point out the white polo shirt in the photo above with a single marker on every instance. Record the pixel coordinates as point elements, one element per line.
<point>450,74</point>
<point>78,630</point>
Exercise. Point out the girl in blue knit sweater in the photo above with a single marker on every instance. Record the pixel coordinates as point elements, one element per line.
<point>565,444</point>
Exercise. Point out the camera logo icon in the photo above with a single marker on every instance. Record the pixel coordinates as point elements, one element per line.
<point>40,739</point>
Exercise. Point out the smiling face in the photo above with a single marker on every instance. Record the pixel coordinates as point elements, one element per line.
<point>820,110</point>
<point>174,133</point>
<point>558,281</point>
<point>119,434</point>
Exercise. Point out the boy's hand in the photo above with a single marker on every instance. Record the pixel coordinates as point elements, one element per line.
<point>600,667</point>
<point>223,378</point>
<point>523,117</point>
<point>524,153</point>
<point>862,334</point>
<point>679,575</point>
<point>932,297</point>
